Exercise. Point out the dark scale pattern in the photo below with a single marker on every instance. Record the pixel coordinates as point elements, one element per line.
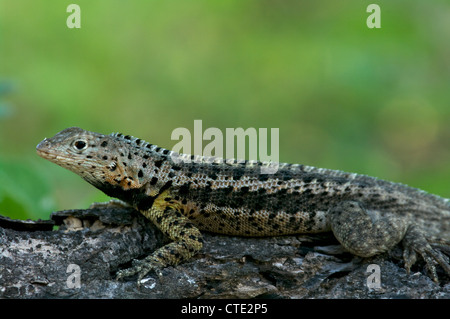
<point>183,194</point>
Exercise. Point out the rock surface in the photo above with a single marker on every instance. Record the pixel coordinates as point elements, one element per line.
<point>79,258</point>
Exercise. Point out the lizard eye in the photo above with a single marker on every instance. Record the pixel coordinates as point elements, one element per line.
<point>80,145</point>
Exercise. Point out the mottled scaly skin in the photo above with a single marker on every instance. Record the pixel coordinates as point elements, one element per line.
<point>183,194</point>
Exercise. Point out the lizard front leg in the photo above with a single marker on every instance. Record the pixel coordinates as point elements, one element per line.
<point>187,239</point>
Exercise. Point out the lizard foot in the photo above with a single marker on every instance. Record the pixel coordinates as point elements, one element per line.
<point>187,242</point>
<point>432,251</point>
<point>140,267</point>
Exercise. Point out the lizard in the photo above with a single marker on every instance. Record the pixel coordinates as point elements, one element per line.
<point>184,195</point>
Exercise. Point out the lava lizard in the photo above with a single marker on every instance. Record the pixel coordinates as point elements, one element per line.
<point>183,194</point>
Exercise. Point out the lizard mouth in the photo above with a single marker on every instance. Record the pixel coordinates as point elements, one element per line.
<point>42,149</point>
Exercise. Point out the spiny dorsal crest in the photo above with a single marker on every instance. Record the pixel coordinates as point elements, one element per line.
<point>141,144</point>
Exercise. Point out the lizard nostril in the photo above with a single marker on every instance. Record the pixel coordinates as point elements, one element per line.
<point>42,145</point>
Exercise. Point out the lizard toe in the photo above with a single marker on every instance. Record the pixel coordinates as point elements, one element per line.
<point>121,274</point>
<point>440,257</point>
<point>410,258</point>
<point>136,268</point>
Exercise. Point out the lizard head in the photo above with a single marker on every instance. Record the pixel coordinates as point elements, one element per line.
<point>93,156</point>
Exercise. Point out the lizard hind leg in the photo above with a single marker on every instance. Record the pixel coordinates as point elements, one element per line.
<point>365,232</point>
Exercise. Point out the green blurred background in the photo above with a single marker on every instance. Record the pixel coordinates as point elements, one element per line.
<point>372,101</point>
